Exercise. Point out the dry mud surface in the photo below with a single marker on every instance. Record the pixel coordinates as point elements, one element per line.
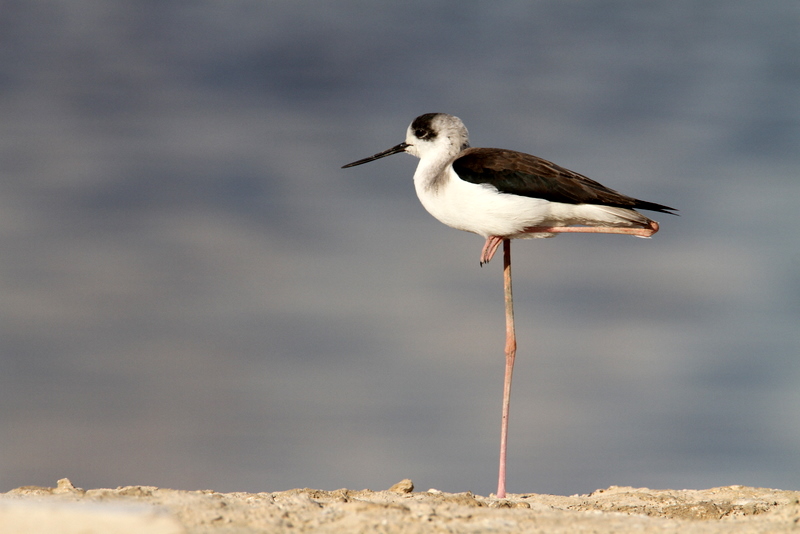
<point>147,509</point>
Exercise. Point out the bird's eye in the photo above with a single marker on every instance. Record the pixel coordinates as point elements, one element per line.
<point>423,133</point>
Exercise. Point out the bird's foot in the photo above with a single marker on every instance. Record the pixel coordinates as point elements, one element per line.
<point>489,248</point>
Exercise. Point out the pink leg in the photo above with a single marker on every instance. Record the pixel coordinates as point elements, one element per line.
<point>511,353</point>
<point>492,242</point>
<point>489,248</point>
<point>651,229</point>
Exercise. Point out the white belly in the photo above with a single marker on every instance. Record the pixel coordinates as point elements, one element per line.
<point>483,210</point>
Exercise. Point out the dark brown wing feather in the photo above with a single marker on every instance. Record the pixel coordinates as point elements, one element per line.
<point>521,174</point>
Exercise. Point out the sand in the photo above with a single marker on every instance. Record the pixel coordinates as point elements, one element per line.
<point>146,509</point>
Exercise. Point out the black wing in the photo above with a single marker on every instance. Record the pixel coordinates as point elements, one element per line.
<point>525,175</point>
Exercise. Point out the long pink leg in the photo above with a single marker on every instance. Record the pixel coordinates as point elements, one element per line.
<point>511,353</point>
<point>492,242</point>
<point>489,249</point>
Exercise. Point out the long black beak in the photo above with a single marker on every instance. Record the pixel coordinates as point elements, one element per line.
<point>394,150</point>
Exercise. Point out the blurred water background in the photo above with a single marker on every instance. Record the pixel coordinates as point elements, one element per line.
<point>194,295</point>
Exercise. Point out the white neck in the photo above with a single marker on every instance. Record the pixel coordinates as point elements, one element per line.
<point>431,173</point>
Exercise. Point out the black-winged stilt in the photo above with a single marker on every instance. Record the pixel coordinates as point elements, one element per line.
<point>502,195</point>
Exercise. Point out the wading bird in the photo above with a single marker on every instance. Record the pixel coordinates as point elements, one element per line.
<point>502,195</point>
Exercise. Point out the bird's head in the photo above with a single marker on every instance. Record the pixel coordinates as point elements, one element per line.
<point>428,134</point>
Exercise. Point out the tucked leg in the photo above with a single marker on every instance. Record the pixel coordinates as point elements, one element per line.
<point>493,242</point>
<point>651,229</point>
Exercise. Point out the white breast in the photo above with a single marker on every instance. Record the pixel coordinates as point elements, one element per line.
<point>480,209</point>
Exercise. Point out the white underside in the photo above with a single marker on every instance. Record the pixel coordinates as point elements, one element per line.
<point>483,210</point>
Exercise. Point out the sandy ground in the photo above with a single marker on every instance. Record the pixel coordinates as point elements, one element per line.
<point>66,509</point>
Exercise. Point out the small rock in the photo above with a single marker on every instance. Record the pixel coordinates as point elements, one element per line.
<point>404,486</point>
<point>65,486</point>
